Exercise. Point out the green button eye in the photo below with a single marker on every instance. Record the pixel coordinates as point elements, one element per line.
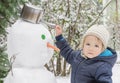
<point>43,36</point>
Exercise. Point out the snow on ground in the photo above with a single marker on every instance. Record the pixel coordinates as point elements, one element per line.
<point>63,79</point>
<point>115,77</point>
<point>116,73</point>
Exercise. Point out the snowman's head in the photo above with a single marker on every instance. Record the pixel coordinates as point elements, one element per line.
<point>30,44</point>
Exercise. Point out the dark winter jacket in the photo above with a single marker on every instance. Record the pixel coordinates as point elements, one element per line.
<point>94,70</point>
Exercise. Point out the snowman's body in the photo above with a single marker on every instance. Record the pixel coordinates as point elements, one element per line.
<point>27,44</point>
<point>27,75</point>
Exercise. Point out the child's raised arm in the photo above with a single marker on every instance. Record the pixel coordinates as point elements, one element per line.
<point>58,30</point>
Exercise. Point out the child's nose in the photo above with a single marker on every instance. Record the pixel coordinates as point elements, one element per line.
<point>91,48</point>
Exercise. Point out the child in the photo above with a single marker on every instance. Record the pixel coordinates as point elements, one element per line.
<point>94,62</point>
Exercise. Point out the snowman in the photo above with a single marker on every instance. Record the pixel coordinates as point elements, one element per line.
<point>29,48</point>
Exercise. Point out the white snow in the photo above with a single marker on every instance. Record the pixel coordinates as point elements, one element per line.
<point>116,73</point>
<point>27,75</point>
<point>63,79</point>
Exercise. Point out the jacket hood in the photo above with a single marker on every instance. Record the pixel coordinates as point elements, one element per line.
<point>109,59</point>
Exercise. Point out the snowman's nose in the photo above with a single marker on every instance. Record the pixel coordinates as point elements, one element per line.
<point>53,47</point>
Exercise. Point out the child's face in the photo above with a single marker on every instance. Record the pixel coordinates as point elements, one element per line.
<point>92,46</point>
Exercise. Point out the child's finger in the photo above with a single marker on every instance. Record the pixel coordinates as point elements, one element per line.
<point>58,27</point>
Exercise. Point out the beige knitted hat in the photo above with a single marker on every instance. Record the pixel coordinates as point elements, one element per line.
<point>100,32</point>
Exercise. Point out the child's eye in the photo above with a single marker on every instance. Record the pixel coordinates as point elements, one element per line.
<point>96,46</point>
<point>88,44</point>
<point>43,36</point>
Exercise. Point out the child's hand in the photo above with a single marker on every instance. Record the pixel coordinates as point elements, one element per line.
<point>58,30</point>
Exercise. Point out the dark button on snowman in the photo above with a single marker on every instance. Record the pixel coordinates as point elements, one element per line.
<point>28,42</point>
